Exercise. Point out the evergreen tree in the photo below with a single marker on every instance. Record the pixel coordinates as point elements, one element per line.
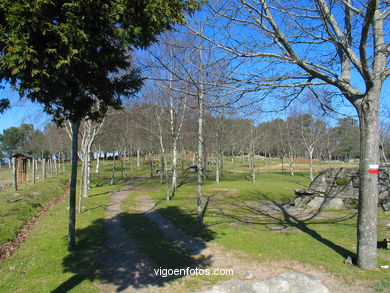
<point>68,55</point>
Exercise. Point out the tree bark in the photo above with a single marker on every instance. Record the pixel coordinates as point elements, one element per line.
<point>113,169</point>
<point>174,164</point>
<point>89,166</point>
<point>138,158</point>
<point>217,170</point>
<point>72,190</point>
<point>33,171</point>
<point>252,156</point>
<point>14,174</point>
<point>199,207</point>
<point>85,183</point>
<point>98,160</point>
<point>151,165</point>
<point>311,163</point>
<point>368,191</point>
<point>43,168</point>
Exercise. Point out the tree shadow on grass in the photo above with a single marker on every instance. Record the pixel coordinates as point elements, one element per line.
<point>187,222</point>
<point>131,259</point>
<point>262,210</point>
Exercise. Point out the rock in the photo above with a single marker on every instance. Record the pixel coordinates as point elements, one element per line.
<point>319,183</point>
<point>301,201</point>
<point>316,202</point>
<point>384,195</point>
<point>248,276</point>
<point>334,203</point>
<point>326,203</point>
<point>348,261</point>
<point>290,282</point>
<point>233,286</point>
<point>386,205</point>
<point>331,185</point>
<point>344,192</point>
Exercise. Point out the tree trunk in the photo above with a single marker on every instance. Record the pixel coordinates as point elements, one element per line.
<point>125,160</point>
<point>131,163</point>
<point>311,163</point>
<point>85,183</point>
<point>33,171</point>
<point>72,190</point>
<point>98,160</point>
<point>217,170</point>
<point>89,166</point>
<point>291,163</point>
<point>174,164</point>
<point>81,187</point>
<point>43,168</point>
<point>162,167</point>
<point>14,174</point>
<point>138,158</point>
<point>168,193</point>
<point>252,156</point>
<point>199,209</point>
<point>368,191</point>
<point>55,166</point>
<point>81,182</point>
<point>113,169</point>
<point>151,165</point>
<point>122,165</point>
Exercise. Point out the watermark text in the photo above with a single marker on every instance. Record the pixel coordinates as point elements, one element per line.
<point>164,272</point>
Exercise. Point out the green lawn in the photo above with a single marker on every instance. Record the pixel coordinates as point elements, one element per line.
<point>43,263</point>
<point>18,206</point>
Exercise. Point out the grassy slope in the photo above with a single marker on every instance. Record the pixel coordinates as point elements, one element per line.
<point>18,206</point>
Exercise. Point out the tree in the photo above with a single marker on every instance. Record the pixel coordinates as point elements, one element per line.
<point>167,75</point>
<point>301,44</point>
<point>16,139</point>
<point>68,55</point>
<point>311,130</point>
<point>347,134</point>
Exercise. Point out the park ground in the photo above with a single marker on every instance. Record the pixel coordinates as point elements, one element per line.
<point>249,227</point>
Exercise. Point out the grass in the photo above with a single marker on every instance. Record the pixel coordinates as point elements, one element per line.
<point>43,264</point>
<point>18,206</point>
<point>323,244</point>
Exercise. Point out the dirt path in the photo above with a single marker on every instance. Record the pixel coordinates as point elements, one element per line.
<point>126,269</point>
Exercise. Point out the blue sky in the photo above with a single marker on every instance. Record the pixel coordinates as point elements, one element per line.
<point>21,111</point>
<point>24,111</point>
